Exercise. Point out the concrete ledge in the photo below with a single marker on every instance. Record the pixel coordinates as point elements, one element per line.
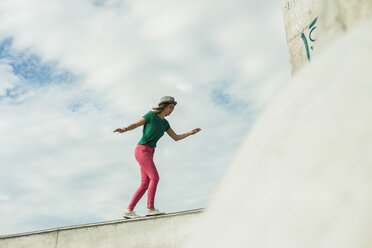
<point>169,230</point>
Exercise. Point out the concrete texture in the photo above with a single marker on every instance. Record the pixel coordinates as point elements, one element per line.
<point>170,230</point>
<point>298,16</point>
<point>303,177</point>
<point>311,25</point>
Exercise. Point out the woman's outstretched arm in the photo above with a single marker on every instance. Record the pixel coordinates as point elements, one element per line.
<point>177,137</point>
<point>141,122</point>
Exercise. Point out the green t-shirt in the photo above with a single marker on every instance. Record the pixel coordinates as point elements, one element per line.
<point>153,129</point>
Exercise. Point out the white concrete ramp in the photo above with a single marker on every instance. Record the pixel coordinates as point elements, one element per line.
<point>170,230</point>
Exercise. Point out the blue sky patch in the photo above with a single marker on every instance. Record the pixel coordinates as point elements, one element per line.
<point>30,67</point>
<point>31,70</point>
<point>220,96</point>
<point>99,3</point>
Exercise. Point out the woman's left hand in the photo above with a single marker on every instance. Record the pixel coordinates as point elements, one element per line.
<point>194,131</point>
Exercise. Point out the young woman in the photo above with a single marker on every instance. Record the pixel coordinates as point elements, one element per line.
<point>155,125</point>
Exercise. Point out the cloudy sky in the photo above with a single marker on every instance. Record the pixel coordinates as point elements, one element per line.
<point>73,71</point>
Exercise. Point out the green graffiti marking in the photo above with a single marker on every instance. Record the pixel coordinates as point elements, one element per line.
<point>306,46</point>
<point>312,27</point>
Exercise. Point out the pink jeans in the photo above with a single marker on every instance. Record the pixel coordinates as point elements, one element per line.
<point>149,176</point>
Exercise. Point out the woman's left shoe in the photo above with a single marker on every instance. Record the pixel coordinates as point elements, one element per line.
<point>153,212</point>
<point>130,215</point>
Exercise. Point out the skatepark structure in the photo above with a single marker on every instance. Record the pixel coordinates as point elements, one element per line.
<point>312,26</point>
<point>170,230</point>
<point>303,176</point>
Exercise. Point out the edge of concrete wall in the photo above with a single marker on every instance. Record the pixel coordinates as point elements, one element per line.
<point>311,25</point>
<point>103,223</point>
<point>162,231</point>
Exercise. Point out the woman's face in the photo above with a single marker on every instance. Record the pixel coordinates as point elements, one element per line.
<point>169,109</point>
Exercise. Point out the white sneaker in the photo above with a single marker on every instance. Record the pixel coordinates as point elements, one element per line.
<point>154,212</point>
<point>130,215</point>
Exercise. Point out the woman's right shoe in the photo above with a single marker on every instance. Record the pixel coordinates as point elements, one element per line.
<point>130,215</point>
<point>153,212</point>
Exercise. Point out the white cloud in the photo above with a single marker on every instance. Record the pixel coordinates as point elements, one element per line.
<point>60,154</point>
<point>4,197</point>
<point>7,79</point>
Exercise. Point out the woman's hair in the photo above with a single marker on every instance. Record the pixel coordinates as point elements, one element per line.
<point>160,108</point>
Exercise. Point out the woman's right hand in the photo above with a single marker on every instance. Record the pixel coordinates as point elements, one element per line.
<point>120,130</point>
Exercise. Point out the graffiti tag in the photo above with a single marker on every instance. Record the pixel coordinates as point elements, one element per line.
<point>308,38</point>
